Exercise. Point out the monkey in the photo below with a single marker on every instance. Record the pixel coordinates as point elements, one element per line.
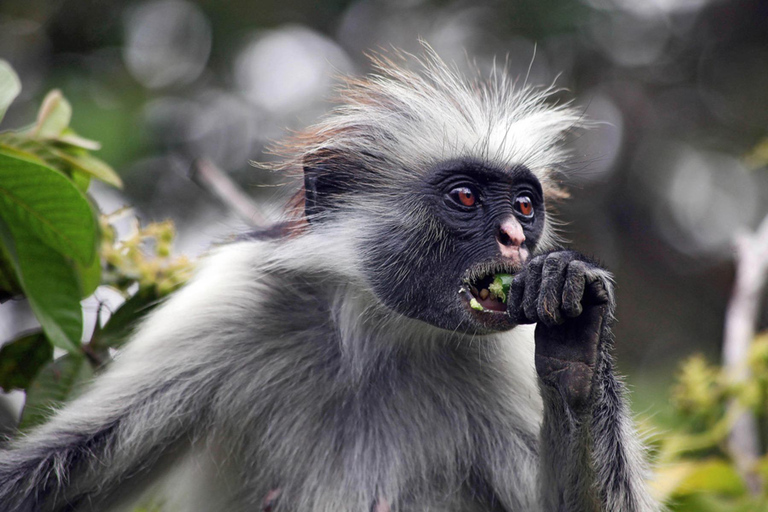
<point>352,358</point>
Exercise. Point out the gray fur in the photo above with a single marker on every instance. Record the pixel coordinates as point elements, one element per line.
<point>277,368</point>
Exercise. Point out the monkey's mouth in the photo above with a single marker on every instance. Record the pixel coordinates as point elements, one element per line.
<point>486,286</point>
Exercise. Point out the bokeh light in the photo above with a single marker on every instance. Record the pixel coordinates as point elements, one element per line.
<point>287,69</point>
<point>167,42</point>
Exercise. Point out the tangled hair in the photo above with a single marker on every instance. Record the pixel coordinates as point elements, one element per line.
<point>414,112</point>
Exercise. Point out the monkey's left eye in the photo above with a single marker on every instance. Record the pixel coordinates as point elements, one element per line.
<point>464,196</point>
<point>524,205</point>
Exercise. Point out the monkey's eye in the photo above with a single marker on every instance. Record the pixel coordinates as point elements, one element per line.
<point>524,205</point>
<point>464,196</point>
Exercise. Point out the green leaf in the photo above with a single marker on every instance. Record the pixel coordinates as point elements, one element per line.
<point>53,117</point>
<point>90,165</point>
<point>59,381</point>
<point>81,180</point>
<point>712,475</point>
<point>63,157</point>
<point>50,283</point>
<point>89,277</point>
<point>499,288</point>
<point>15,146</point>
<point>45,202</point>
<point>22,359</point>
<point>10,86</point>
<point>122,323</point>
<point>9,285</point>
<point>707,502</point>
<point>70,138</point>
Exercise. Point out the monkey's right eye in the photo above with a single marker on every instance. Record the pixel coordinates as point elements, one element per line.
<point>464,196</point>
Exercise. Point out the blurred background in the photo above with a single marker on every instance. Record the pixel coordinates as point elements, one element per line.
<point>659,188</point>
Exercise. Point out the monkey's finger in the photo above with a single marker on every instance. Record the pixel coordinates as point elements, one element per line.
<point>553,277</point>
<point>573,290</point>
<point>515,300</point>
<point>598,287</point>
<point>532,287</point>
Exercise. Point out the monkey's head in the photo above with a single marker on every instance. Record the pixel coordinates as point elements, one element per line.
<point>440,185</point>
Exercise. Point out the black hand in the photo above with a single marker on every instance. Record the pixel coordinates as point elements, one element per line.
<point>571,301</point>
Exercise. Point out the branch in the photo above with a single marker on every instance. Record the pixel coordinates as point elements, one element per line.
<point>740,321</point>
<point>218,183</point>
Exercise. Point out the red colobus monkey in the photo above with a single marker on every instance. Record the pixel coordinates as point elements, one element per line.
<point>375,351</point>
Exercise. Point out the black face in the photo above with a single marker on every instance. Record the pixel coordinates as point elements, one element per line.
<point>439,270</point>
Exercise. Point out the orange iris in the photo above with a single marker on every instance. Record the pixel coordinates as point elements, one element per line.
<point>466,197</point>
<point>524,205</point>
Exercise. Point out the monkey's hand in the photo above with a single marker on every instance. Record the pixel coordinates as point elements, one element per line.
<point>571,300</point>
<point>589,459</point>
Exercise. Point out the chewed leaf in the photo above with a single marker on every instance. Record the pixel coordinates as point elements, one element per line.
<point>474,304</point>
<point>499,288</point>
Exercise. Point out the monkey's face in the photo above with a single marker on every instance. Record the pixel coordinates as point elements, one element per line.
<point>461,226</point>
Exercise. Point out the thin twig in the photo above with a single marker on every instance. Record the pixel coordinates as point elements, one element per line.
<point>218,183</point>
<point>740,321</point>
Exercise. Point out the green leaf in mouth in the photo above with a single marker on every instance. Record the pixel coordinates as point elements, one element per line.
<point>499,288</point>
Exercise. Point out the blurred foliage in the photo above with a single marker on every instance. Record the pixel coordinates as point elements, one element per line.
<point>55,250</point>
<point>758,157</point>
<point>695,471</point>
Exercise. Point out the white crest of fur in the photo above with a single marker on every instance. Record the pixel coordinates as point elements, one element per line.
<point>398,124</point>
<point>435,114</point>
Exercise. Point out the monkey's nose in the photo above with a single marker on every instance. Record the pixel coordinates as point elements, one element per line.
<point>510,238</point>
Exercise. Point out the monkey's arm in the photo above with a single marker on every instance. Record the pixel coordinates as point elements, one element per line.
<point>107,443</point>
<point>101,445</point>
<point>591,459</point>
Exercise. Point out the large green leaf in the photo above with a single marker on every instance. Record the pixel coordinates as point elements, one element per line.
<point>89,277</point>
<point>81,181</point>
<point>50,283</point>
<point>43,201</point>
<point>10,86</point>
<point>57,382</point>
<point>21,359</point>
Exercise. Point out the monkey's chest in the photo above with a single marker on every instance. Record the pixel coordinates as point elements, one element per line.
<point>385,450</point>
<point>276,501</point>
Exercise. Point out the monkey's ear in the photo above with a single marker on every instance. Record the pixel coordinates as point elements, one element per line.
<point>310,194</point>
<point>328,178</point>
